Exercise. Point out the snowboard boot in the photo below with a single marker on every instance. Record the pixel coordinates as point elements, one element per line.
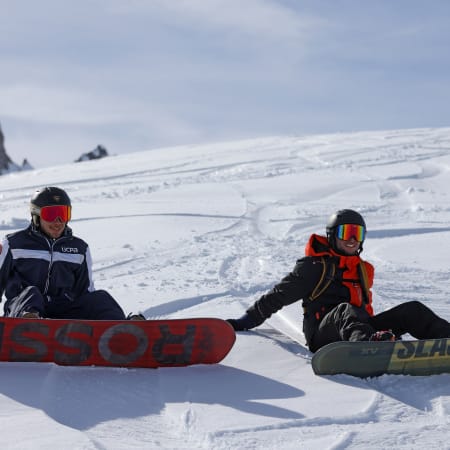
<point>30,315</point>
<point>137,316</point>
<point>384,335</point>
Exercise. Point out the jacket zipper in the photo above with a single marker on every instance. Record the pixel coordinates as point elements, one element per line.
<point>47,281</point>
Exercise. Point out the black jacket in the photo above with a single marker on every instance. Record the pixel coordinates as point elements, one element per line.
<point>342,286</point>
<point>58,267</point>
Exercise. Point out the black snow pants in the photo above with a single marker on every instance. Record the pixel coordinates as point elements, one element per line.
<point>349,323</point>
<point>96,305</point>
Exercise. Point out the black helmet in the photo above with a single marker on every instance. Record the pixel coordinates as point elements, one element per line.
<point>342,217</point>
<point>47,196</point>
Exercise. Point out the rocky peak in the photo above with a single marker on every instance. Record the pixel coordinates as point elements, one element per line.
<point>98,152</point>
<point>6,163</point>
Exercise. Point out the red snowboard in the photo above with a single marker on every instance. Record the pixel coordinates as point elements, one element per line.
<point>122,343</point>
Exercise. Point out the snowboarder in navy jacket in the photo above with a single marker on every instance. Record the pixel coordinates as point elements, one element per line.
<point>334,284</point>
<point>46,271</point>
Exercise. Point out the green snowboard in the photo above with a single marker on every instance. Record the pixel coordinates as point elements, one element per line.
<point>371,359</point>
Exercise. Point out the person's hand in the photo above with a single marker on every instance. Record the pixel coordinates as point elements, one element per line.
<point>246,322</point>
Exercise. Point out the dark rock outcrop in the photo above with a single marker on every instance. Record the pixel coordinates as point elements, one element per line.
<point>6,163</point>
<point>97,153</point>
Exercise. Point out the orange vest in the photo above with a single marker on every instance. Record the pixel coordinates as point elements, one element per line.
<point>357,276</point>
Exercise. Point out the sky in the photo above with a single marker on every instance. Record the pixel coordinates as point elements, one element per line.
<point>204,231</point>
<point>139,75</point>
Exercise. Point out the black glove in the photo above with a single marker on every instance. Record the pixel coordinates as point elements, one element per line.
<point>246,322</point>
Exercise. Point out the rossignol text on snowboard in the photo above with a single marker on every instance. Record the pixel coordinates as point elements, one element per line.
<point>123,343</point>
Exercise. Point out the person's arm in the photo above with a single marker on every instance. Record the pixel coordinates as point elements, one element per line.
<point>295,286</point>
<point>84,282</point>
<point>5,265</point>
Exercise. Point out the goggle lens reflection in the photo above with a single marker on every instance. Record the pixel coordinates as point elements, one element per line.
<point>347,231</point>
<point>51,213</point>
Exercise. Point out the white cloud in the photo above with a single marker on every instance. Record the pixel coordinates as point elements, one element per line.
<point>53,104</point>
<point>263,18</point>
<point>76,107</point>
<point>175,71</point>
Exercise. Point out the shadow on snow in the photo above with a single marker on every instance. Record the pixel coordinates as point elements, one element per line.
<point>83,397</point>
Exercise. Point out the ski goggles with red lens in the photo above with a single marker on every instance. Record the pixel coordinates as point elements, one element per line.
<point>349,230</point>
<point>51,213</point>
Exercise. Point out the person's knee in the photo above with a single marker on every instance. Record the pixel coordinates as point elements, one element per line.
<point>348,309</point>
<point>103,306</point>
<point>29,300</point>
<point>103,295</point>
<point>344,308</point>
<point>414,306</point>
<point>31,291</point>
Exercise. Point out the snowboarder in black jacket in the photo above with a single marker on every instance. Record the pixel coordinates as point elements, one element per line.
<point>334,284</point>
<point>46,271</point>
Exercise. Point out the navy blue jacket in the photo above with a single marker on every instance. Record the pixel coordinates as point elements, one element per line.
<point>58,267</point>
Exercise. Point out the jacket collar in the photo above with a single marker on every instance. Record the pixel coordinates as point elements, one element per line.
<point>319,246</point>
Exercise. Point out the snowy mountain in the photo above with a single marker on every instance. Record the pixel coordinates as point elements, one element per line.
<point>204,231</point>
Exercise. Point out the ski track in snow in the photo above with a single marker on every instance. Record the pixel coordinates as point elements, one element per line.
<point>216,257</point>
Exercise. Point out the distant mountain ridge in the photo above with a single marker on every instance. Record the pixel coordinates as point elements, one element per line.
<point>7,165</point>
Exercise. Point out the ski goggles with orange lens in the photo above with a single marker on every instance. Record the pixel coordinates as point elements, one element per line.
<point>51,213</point>
<point>349,230</point>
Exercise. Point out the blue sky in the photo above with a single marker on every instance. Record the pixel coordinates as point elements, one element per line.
<point>139,74</point>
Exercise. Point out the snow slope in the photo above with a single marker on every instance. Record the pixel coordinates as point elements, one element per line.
<point>203,231</point>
